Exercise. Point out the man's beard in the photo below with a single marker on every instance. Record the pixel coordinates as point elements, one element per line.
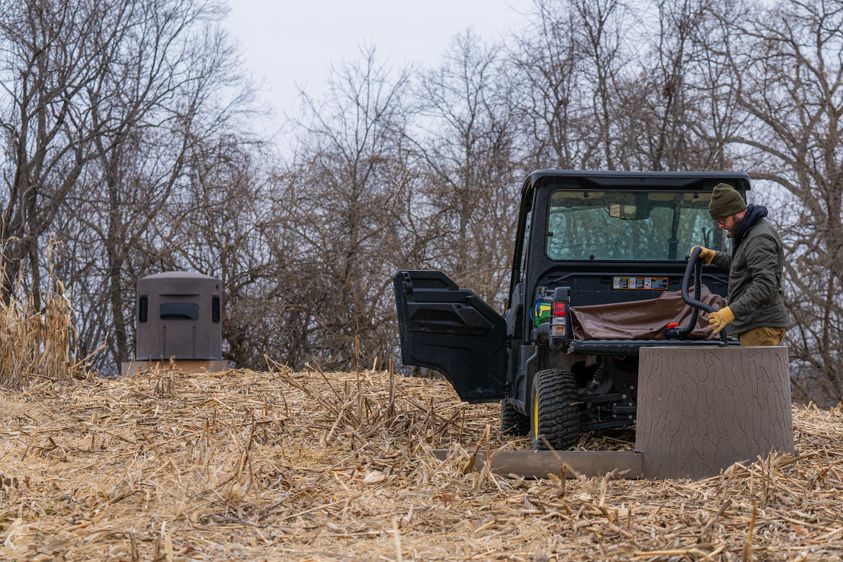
<point>733,233</point>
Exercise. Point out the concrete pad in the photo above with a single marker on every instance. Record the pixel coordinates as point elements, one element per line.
<point>184,365</point>
<point>538,464</point>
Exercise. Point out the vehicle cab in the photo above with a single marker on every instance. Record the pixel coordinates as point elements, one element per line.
<point>583,238</point>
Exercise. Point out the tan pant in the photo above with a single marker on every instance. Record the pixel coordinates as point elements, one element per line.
<point>761,337</point>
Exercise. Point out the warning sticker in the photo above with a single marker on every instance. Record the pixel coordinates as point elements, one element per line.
<point>641,283</point>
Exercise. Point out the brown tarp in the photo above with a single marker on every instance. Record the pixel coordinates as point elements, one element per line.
<point>641,320</point>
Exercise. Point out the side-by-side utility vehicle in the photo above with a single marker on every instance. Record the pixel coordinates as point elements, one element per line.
<point>598,257</point>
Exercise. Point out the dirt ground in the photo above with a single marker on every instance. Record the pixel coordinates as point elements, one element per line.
<point>309,466</point>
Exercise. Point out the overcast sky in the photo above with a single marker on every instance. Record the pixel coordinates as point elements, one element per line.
<point>290,43</point>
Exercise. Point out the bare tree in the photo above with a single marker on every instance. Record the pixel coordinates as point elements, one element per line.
<point>343,198</point>
<point>220,233</point>
<point>155,111</point>
<point>102,102</point>
<point>601,26</point>
<point>546,75</point>
<point>569,83</point>
<point>151,69</point>
<point>466,152</point>
<point>787,64</point>
<point>52,54</point>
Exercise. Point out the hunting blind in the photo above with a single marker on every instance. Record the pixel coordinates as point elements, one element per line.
<point>178,317</point>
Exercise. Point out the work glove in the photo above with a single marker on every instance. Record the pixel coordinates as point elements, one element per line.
<point>706,255</point>
<point>719,319</point>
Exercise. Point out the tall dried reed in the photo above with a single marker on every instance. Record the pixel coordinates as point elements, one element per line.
<point>36,345</point>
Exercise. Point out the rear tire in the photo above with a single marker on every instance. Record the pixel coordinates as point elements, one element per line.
<point>554,411</point>
<point>513,422</point>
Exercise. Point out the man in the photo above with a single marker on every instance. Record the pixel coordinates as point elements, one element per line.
<point>756,311</point>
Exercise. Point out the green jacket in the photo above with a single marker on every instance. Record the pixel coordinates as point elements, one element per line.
<point>755,271</point>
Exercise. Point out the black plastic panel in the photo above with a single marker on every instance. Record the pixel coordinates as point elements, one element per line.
<point>453,331</point>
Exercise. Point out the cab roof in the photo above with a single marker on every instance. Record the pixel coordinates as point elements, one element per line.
<point>637,180</point>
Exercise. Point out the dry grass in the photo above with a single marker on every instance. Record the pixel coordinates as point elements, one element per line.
<point>304,466</point>
<point>36,344</point>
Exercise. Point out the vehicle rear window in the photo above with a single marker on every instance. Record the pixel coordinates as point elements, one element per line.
<point>629,225</point>
<point>179,311</point>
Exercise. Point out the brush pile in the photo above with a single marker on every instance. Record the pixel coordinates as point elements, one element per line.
<point>283,465</point>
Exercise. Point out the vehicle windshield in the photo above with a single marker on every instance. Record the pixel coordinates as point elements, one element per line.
<point>629,225</point>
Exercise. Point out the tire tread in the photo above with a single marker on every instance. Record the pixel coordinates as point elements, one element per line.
<point>559,414</point>
<point>513,422</point>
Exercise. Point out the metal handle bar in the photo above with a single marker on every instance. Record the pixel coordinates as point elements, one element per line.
<point>695,266</point>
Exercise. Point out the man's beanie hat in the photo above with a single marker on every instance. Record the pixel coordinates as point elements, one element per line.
<point>725,201</point>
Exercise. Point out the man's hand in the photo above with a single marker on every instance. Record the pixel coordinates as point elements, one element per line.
<point>706,255</point>
<point>719,319</point>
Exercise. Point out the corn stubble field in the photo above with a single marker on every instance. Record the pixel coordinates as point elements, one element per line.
<point>283,465</point>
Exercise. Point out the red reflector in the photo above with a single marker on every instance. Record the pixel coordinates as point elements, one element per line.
<point>671,325</point>
<point>558,309</point>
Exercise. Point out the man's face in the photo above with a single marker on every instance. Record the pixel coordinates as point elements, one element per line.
<point>730,224</point>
